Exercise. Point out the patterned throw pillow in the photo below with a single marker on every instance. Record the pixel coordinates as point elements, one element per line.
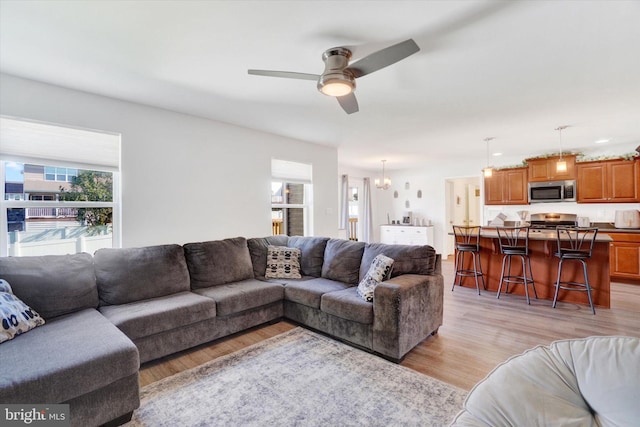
<point>16,317</point>
<point>283,263</point>
<point>379,271</point>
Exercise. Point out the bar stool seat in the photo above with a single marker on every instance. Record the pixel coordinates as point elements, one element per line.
<point>514,242</point>
<point>575,243</point>
<point>467,240</point>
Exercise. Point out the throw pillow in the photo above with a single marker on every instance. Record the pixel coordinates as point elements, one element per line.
<point>16,316</point>
<point>283,263</point>
<point>379,271</point>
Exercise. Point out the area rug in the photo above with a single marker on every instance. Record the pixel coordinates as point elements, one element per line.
<point>299,378</point>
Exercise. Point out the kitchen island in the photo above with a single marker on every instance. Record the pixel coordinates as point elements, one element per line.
<point>542,246</point>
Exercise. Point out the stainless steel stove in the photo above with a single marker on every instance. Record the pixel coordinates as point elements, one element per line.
<point>549,221</point>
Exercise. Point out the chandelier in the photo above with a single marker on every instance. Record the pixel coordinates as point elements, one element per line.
<point>384,183</point>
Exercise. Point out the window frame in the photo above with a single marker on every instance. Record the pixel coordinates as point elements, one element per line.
<point>305,206</point>
<point>15,153</point>
<point>25,204</point>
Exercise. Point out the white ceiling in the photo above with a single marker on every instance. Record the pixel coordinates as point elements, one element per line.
<point>504,69</point>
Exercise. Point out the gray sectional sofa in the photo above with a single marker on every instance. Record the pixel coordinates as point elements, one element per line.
<point>108,313</point>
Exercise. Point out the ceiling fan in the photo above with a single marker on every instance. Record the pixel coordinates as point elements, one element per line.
<point>338,78</point>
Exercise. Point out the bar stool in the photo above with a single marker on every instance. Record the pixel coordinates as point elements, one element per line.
<point>467,239</point>
<point>575,243</point>
<point>514,242</point>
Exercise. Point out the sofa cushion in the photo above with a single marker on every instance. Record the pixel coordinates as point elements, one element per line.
<point>16,317</point>
<point>244,295</point>
<point>258,251</point>
<point>347,304</point>
<point>342,260</point>
<point>52,285</point>
<point>379,270</point>
<point>218,262</point>
<point>579,382</point>
<point>134,274</point>
<point>309,292</point>
<point>283,263</point>
<point>69,356</point>
<point>151,316</point>
<point>311,253</point>
<point>407,259</point>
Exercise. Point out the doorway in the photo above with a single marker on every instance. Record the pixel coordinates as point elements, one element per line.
<point>462,206</point>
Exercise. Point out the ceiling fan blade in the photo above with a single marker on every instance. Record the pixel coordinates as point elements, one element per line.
<point>382,58</point>
<point>349,103</point>
<point>285,74</point>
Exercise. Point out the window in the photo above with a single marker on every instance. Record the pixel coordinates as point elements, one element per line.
<point>68,186</point>
<point>59,174</point>
<point>291,198</point>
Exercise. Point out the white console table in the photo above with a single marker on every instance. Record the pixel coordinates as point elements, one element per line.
<point>406,235</point>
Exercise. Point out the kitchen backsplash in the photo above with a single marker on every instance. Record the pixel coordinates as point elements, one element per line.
<point>602,212</point>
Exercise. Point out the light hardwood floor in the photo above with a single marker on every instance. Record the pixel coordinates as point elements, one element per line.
<point>478,333</point>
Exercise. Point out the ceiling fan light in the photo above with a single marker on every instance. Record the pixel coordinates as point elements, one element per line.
<point>336,84</point>
<point>336,88</point>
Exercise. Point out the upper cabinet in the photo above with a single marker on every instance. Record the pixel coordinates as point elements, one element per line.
<point>506,187</point>
<point>608,181</point>
<point>544,169</point>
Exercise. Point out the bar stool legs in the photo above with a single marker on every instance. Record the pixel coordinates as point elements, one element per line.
<point>574,286</point>
<point>575,243</point>
<point>526,279</point>
<point>461,272</point>
<point>467,240</point>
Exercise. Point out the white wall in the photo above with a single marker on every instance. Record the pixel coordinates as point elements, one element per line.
<point>184,178</point>
<point>430,178</point>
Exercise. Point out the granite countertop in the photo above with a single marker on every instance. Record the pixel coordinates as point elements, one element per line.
<point>491,233</point>
<point>407,225</point>
<point>608,227</point>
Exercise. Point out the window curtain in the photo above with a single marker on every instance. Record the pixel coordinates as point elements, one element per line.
<point>367,224</point>
<point>344,205</point>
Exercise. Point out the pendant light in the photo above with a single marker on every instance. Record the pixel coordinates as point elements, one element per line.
<point>385,183</point>
<point>488,171</point>
<point>561,166</point>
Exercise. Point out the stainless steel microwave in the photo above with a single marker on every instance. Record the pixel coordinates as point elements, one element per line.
<point>552,191</point>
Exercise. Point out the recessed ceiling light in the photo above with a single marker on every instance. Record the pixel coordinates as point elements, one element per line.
<point>602,141</point>
<point>497,154</point>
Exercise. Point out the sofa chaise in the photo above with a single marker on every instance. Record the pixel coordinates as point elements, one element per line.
<point>108,313</point>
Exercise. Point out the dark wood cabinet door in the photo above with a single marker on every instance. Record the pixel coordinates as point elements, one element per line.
<point>544,169</point>
<point>609,181</point>
<point>624,258</point>
<point>538,170</point>
<point>506,187</point>
<point>515,186</point>
<point>493,188</point>
<point>592,183</point>
<point>623,178</point>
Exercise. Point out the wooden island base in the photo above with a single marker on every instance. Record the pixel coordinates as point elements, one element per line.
<point>545,271</point>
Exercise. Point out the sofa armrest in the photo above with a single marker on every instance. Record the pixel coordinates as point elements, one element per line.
<point>406,309</point>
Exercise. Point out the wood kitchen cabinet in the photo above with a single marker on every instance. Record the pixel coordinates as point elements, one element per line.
<point>608,181</point>
<point>506,187</point>
<point>544,169</point>
<point>624,257</point>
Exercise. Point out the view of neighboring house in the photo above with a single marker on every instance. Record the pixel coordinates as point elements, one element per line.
<point>41,183</point>
<point>46,228</point>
